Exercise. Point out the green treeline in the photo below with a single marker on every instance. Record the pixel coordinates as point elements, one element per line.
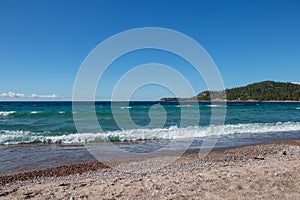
<point>262,91</point>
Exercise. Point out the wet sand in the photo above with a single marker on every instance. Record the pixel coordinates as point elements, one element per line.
<point>269,171</point>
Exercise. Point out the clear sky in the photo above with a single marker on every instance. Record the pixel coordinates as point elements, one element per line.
<point>43,43</point>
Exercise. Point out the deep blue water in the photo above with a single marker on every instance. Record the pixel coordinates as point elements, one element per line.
<point>27,128</point>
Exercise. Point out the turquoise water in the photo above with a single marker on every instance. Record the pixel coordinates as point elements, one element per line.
<point>43,134</point>
<point>52,122</point>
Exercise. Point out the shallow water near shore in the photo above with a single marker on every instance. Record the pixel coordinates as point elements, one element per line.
<point>36,135</point>
<point>26,157</point>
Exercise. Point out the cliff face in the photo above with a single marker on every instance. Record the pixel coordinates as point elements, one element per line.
<point>262,91</point>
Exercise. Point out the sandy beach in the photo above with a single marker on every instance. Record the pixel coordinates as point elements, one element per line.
<point>268,171</point>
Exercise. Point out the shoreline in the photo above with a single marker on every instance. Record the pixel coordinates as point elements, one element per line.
<point>94,164</point>
<point>269,162</point>
<point>229,101</point>
<point>40,156</point>
<point>182,100</point>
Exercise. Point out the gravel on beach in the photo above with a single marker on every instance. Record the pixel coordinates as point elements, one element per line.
<point>260,171</point>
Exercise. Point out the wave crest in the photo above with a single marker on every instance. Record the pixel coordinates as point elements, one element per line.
<point>174,132</point>
<point>6,113</point>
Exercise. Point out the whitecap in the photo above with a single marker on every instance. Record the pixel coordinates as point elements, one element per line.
<point>216,106</point>
<point>126,107</point>
<point>35,112</point>
<point>6,113</point>
<point>182,106</point>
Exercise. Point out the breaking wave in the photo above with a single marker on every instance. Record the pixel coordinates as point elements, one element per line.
<point>6,113</point>
<point>20,137</point>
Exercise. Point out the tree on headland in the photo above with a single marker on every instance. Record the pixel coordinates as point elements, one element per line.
<point>262,91</point>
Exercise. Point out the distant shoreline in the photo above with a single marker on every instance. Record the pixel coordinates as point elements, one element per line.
<point>234,101</point>
<point>201,101</point>
<point>265,91</point>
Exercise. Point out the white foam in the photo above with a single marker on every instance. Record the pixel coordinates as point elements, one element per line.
<point>35,112</point>
<point>6,113</point>
<point>61,112</point>
<point>125,107</point>
<point>215,106</point>
<point>298,108</point>
<point>182,106</point>
<point>15,137</point>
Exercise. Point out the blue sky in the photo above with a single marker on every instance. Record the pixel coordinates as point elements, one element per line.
<point>43,43</point>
